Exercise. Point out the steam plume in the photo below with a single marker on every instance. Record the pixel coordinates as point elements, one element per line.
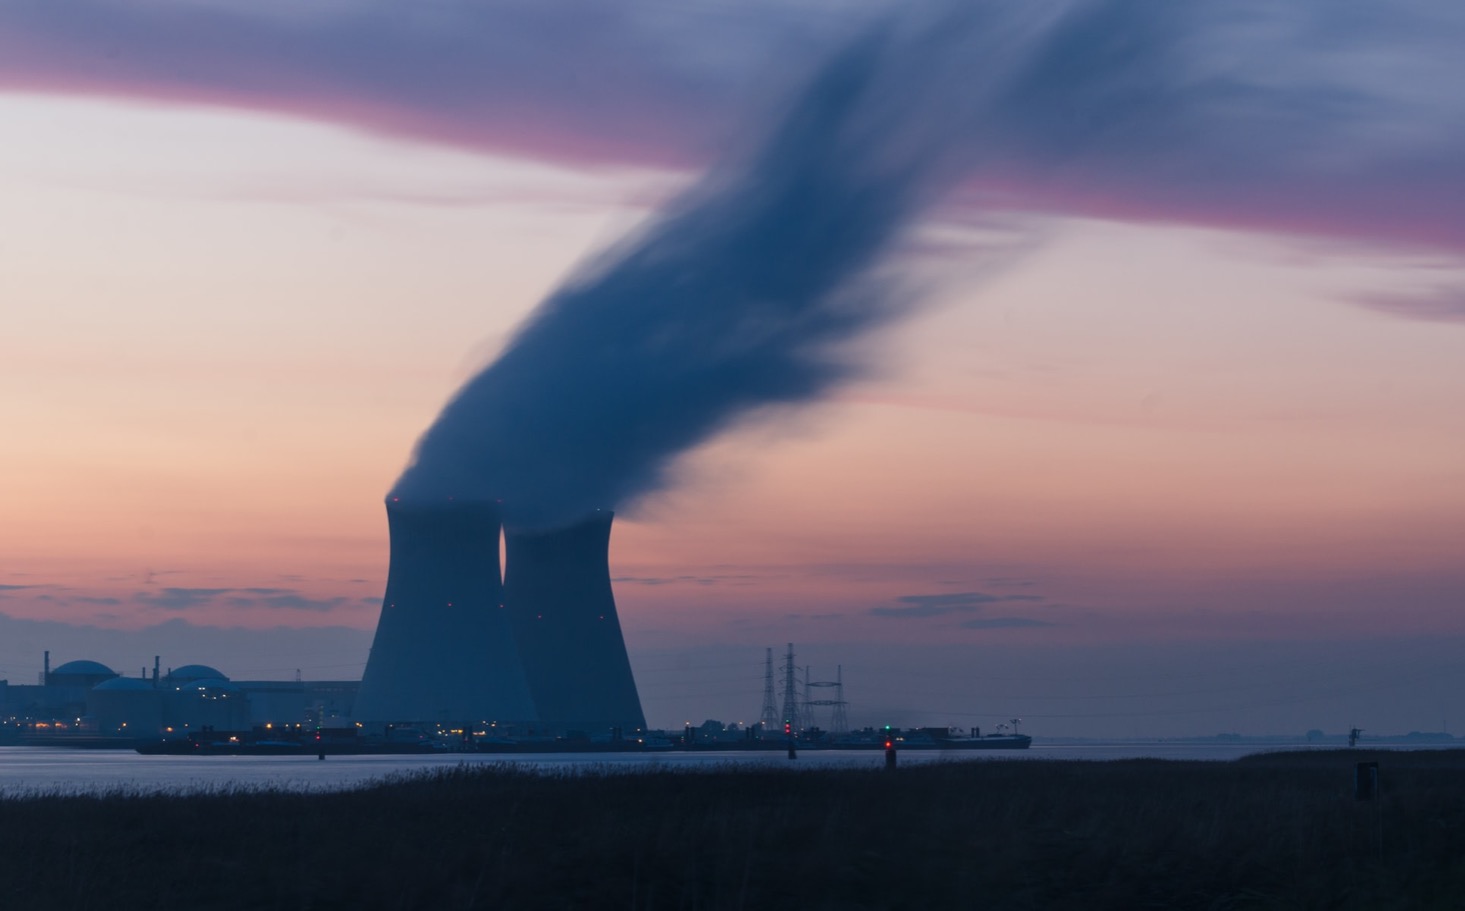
<point>739,296</point>
<point>744,293</point>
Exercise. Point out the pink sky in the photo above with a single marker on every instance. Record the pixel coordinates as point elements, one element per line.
<point>1170,419</point>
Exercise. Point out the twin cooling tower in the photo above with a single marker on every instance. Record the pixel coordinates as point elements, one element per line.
<point>539,646</point>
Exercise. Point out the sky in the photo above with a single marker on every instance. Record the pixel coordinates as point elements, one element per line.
<point>1165,437</point>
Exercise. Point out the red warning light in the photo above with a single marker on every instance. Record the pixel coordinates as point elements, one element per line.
<point>788,728</point>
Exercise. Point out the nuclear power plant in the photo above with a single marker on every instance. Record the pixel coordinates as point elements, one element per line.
<point>537,647</point>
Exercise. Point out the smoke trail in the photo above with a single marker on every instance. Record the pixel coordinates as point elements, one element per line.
<point>742,294</point>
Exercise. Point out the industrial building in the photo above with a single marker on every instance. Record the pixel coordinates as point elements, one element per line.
<point>89,697</point>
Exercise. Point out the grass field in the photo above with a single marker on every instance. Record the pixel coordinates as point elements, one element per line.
<point>1270,831</point>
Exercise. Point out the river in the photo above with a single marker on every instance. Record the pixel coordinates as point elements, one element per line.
<point>31,770</point>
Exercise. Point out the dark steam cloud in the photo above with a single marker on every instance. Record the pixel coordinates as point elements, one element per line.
<point>747,293</point>
<point>741,296</point>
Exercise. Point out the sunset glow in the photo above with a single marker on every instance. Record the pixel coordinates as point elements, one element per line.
<point>1150,419</point>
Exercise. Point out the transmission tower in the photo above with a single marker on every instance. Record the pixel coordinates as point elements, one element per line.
<point>839,722</point>
<point>807,715</point>
<point>768,718</point>
<point>790,693</point>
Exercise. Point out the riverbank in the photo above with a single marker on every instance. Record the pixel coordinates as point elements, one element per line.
<point>1267,831</point>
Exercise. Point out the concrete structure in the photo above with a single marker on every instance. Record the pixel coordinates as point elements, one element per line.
<point>324,702</point>
<point>443,650</point>
<point>197,696</point>
<point>184,702</point>
<point>63,690</point>
<point>558,595</point>
<point>128,705</point>
<point>190,672</point>
<point>85,674</point>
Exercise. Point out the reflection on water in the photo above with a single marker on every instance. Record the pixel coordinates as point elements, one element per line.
<point>32,769</point>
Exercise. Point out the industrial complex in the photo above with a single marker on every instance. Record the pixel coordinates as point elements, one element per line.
<point>471,651</point>
<point>530,648</point>
<point>88,698</point>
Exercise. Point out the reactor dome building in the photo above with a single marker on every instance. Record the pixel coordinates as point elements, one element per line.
<point>534,645</point>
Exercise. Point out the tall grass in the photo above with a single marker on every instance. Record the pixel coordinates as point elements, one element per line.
<point>1278,831</point>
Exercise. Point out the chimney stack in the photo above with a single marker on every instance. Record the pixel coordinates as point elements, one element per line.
<point>558,597</point>
<point>443,650</point>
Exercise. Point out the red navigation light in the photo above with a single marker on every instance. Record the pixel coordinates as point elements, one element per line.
<point>788,728</point>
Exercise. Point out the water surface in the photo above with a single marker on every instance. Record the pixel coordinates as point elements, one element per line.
<point>38,769</point>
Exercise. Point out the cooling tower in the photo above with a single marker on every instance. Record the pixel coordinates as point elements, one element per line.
<point>557,591</point>
<point>443,650</point>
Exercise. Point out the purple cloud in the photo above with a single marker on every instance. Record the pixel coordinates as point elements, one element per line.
<point>179,598</point>
<point>917,606</point>
<point>1335,119</point>
<point>576,81</point>
<point>653,581</point>
<point>1003,623</point>
<point>1439,305</point>
<point>183,599</point>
